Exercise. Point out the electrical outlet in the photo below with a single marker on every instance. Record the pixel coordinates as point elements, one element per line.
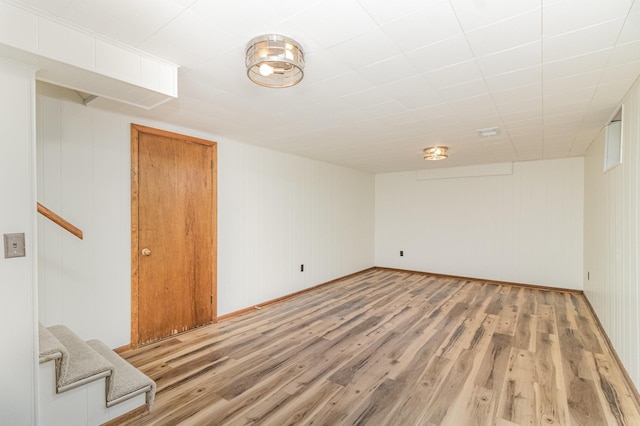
<point>401,252</point>
<point>301,268</point>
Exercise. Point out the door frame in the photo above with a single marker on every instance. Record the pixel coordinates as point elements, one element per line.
<point>136,130</point>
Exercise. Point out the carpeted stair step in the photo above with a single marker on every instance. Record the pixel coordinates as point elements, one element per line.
<point>49,346</point>
<point>125,381</point>
<point>81,363</point>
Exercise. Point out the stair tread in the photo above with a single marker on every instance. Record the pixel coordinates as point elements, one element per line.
<point>125,378</point>
<point>81,361</point>
<point>49,346</point>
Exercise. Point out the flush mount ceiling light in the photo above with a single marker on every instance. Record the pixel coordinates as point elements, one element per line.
<point>435,153</point>
<point>274,61</point>
<point>489,131</point>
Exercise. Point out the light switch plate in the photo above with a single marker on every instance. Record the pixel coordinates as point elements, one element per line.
<point>14,245</point>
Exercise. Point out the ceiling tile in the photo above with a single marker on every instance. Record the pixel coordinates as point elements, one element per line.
<point>478,105</point>
<point>524,145</point>
<point>224,16</point>
<point>341,85</point>
<point>521,105</point>
<point>286,8</point>
<point>385,108</point>
<point>523,29</point>
<point>522,92</point>
<point>389,70</point>
<point>519,115</point>
<point>565,67</point>
<point>521,57</point>
<point>453,75</point>
<point>366,49</point>
<point>351,21</point>
<point>599,116</point>
<point>525,134</point>
<point>490,120</point>
<point>219,72</point>
<point>477,14</point>
<point>625,53</point>
<point>465,90</point>
<point>583,140</point>
<point>564,129</point>
<point>424,27</point>
<point>612,92</point>
<point>511,80</point>
<point>631,30</point>
<point>437,113</point>
<point>321,64</point>
<point>503,147</point>
<point>137,20</point>
<point>627,72</point>
<point>529,154</point>
<point>531,123</point>
<point>582,14</point>
<point>414,92</point>
<point>440,55</point>
<point>288,28</point>
<point>369,96</point>
<point>189,40</point>
<point>385,11</point>
<point>571,119</point>
<point>572,83</point>
<point>565,106</point>
<point>583,95</point>
<point>587,40</point>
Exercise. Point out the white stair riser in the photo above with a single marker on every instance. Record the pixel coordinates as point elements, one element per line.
<point>82,406</point>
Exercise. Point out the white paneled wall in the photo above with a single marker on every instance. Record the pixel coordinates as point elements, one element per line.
<point>282,211</point>
<point>525,227</point>
<point>611,233</point>
<point>83,175</point>
<point>18,276</point>
<point>275,212</point>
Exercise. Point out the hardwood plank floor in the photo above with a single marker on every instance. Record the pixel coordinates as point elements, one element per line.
<point>394,348</point>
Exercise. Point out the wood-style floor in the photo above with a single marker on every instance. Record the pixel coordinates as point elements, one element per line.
<point>394,348</point>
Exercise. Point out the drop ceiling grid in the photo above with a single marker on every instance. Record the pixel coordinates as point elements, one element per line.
<point>389,78</point>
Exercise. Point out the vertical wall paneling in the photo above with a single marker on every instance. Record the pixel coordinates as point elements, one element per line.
<point>83,174</point>
<point>18,306</point>
<point>76,181</point>
<point>522,227</point>
<point>49,235</point>
<point>275,211</point>
<point>611,234</point>
<point>302,212</point>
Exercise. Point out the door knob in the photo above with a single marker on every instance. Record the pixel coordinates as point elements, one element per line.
<point>146,252</point>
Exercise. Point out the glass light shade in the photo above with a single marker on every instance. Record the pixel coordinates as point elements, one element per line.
<point>434,153</point>
<point>274,61</point>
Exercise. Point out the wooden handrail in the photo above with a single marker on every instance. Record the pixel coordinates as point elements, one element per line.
<point>59,221</point>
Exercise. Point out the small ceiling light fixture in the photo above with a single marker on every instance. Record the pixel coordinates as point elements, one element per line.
<point>489,131</point>
<point>274,61</point>
<point>434,153</point>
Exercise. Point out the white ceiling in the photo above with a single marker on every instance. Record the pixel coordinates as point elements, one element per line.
<point>385,79</point>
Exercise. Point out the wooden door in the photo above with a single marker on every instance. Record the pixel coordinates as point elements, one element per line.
<point>173,233</point>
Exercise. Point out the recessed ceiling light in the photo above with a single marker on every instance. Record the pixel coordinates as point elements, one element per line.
<point>487,132</point>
